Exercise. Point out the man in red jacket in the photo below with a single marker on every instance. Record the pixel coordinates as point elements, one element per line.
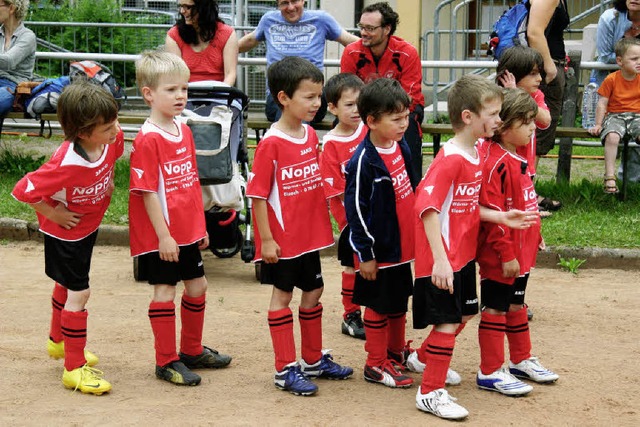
<point>381,54</point>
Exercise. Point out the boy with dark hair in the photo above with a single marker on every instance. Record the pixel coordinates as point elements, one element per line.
<point>379,204</point>
<point>338,145</point>
<point>618,110</point>
<point>292,225</point>
<point>507,256</point>
<point>70,193</point>
<point>167,226</point>
<point>447,220</point>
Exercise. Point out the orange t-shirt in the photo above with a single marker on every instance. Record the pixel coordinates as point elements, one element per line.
<point>623,94</point>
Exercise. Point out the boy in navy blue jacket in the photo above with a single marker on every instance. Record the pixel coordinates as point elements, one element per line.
<point>379,204</point>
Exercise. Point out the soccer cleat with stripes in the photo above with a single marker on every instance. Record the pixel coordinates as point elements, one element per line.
<point>177,373</point>
<point>86,379</point>
<point>531,369</point>
<point>208,359</point>
<point>326,368</point>
<point>292,379</point>
<point>441,404</point>
<point>352,325</point>
<point>502,382</point>
<point>388,375</point>
<point>56,351</point>
<point>415,365</point>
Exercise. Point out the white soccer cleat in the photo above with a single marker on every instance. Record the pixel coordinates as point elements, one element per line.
<point>531,369</point>
<point>441,404</point>
<point>415,365</point>
<point>502,382</point>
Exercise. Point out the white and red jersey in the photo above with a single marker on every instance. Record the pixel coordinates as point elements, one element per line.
<point>336,153</point>
<point>450,187</point>
<point>286,174</point>
<point>165,164</point>
<point>529,151</point>
<point>506,185</point>
<point>84,187</point>
<point>405,200</point>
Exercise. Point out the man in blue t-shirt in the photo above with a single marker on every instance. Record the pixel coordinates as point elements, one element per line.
<point>292,31</point>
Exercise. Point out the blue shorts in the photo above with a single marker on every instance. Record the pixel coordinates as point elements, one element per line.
<point>435,306</point>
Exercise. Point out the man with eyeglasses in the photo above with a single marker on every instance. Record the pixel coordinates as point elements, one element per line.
<point>293,31</point>
<point>381,54</point>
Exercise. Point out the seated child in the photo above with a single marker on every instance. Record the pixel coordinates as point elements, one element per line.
<point>506,256</point>
<point>618,110</point>
<point>292,225</point>
<point>167,227</point>
<point>70,194</point>
<point>338,145</point>
<point>379,204</point>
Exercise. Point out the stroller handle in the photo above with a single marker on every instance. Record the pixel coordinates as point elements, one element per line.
<point>218,90</point>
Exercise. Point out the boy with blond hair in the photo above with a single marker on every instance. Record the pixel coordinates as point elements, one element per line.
<point>167,226</point>
<point>618,110</point>
<point>447,220</point>
<point>70,193</point>
<point>292,225</point>
<point>338,145</point>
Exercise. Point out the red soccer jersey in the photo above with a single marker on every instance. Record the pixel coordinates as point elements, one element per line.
<point>165,164</point>
<point>451,187</point>
<point>405,200</point>
<point>82,186</point>
<point>336,153</point>
<point>286,174</point>
<point>529,151</point>
<point>506,185</point>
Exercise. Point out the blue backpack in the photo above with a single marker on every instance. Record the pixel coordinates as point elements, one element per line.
<point>510,29</point>
<point>44,97</point>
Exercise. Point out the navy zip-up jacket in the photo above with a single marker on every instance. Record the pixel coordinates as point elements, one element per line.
<point>370,203</point>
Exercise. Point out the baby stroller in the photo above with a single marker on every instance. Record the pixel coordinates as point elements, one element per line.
<point>215,113</point>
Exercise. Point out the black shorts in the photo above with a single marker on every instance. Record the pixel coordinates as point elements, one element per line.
<point>188,267</point>
<point>499,296</point>
<point>303,272</point>
<point>434,306</point>
<point>345,251</point>
<point>389,293</point>
<point>68,263</point>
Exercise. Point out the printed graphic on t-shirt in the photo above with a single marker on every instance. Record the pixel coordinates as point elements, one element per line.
<point>301,177</point>
<point>95,193</point>
<point>288,38</point>
<point>179,174</point>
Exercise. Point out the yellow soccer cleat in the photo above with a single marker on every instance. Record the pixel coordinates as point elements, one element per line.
<point>86,379</point>
<point>56,351</point>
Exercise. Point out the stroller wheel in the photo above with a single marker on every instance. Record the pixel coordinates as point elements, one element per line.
<point>139,270</point>
<point>229,252</point>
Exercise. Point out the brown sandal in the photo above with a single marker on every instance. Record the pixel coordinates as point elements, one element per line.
<point>608,188</point>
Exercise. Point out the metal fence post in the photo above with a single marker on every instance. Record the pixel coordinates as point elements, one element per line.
<point>569,112</point>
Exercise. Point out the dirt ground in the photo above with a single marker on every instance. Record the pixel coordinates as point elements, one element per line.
<point>585,328</point>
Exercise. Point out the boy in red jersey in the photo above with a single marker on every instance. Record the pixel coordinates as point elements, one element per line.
<point>506,256</point>
<point>292,225</point>
<point>70,194</point>
<point>338,145</point>
<point>379,204</point>
<point>447,221</point>
<point>167,227</point>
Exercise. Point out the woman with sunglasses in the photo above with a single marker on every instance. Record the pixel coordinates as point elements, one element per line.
<point>204,42</point>
<point>17,50</point>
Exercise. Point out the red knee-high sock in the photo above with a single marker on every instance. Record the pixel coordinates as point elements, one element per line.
<point>438,350</point>
<point>162,316</point>
<point>74,334</point>
<point>192,316</point>
<point>518,335</point>
<point>491,338</point>
<point>311,333</point>
<point>396,332</point>
<point>376,328</point>
<point>58,299</point>
<point>348,282</point>
<point>281,328</point>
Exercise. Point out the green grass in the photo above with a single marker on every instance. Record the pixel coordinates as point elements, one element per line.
<point>589,217</point>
